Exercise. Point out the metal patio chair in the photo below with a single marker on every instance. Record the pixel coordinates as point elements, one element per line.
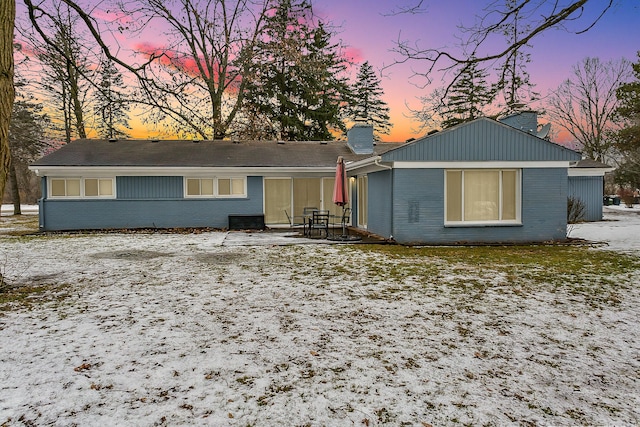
<point>319,223</point>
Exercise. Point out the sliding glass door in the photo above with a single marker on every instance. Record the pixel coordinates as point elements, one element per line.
<point>294,194</point>
<point>277,200</point>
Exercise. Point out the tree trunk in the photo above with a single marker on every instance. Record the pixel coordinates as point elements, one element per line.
<point>7,23</point>
<point>15,189</point>
<point>74,90</point>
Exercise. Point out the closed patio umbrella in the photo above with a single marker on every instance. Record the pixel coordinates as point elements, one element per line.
<point>341,190</point>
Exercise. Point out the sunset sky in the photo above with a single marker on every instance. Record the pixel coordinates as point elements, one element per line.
<point>369,29</point>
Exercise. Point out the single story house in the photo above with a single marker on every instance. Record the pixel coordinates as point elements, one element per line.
<point>482,181</point>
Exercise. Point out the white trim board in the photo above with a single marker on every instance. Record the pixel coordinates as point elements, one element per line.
<point>483,165</point>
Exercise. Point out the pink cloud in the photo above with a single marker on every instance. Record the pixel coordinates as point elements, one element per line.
<point>173,59</point>
<point>354,54</point>
<point>113,16</point>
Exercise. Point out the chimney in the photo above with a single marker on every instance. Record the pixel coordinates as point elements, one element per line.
<point>360,138</point>
<point>525,120</point>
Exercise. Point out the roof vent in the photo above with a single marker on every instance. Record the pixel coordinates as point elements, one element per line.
<point>280,142</point>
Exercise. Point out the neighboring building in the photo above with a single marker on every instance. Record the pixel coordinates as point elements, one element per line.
<point>481,181</point>
<point>586,183</point>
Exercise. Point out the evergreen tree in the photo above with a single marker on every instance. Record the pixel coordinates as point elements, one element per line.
<point>627,139</point>
<point>297,79</point>
<point>27,142</point>
<point>367,103</point>
<point>513,83</point>
<point>468,97</point>
<point>111,105</point>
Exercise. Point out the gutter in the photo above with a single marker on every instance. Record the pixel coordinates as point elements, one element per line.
<point>372,164</point>
<point>377,163</point>
<point>178,171</point>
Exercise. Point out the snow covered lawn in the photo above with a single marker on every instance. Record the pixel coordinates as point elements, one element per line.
<point>234,329</point>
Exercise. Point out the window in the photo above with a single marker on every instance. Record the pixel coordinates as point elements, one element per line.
<point>81,187</point>
<point>230,186</point>
<point>215,187</point>
<point>94,187</point>
<point>482,196</point>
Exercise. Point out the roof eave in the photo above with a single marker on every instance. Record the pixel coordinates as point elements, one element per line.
<point>42,170</point>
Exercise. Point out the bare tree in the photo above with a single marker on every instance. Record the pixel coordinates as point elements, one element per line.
<point>584,104</point>
<point>66,72</point>
<point>513,83</point>
<point>7,94</point>
<point>7,23</point>
<point>479,44</point>
<point>194,80</point>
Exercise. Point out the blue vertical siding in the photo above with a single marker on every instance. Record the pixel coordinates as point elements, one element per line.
<point>149,187</point>
<point>418,210</point>
<point>380,203</point>
<point>589,189</point>
<point>418,205</point>
<point>162,212</point>
<point>481,140</point>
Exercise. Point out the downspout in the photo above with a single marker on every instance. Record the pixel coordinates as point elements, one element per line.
<point>44,195</point>
<point>390,168</point>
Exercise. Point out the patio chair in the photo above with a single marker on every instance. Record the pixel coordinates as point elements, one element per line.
<point>319,222</point>
<point>292,220</point>
<point>307,218</point>
<point>339,224</point>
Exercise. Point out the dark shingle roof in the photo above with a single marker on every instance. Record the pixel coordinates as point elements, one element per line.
<point>588,164</point>
<point>181,153</point>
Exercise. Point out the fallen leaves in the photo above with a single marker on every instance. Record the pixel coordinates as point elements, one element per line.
<point>83,367</point>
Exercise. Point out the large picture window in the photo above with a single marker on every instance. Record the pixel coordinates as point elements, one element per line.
<point>215,187</point>
<point>81,188</point>
<point>482,196</point>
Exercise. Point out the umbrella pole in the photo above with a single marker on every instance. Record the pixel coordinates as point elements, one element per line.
<point>344,222</point>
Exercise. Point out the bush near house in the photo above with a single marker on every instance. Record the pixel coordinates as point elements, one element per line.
<point>576,210</point>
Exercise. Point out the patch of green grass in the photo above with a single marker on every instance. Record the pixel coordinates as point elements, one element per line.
<point>29,296</point>
<point>593,276</point>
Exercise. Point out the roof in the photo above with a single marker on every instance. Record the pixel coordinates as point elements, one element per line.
<point>591,164</point>
<point>218,153</point>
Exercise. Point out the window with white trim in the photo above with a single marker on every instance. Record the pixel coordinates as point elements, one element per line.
<point>215,187</point>
<point>81,188</point>
<point>480,196</point>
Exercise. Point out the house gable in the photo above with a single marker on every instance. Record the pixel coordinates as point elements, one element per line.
<point>482,140</point>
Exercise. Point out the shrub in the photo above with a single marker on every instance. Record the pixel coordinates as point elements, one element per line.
<point>626,195</point>
<point>576,210</point>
